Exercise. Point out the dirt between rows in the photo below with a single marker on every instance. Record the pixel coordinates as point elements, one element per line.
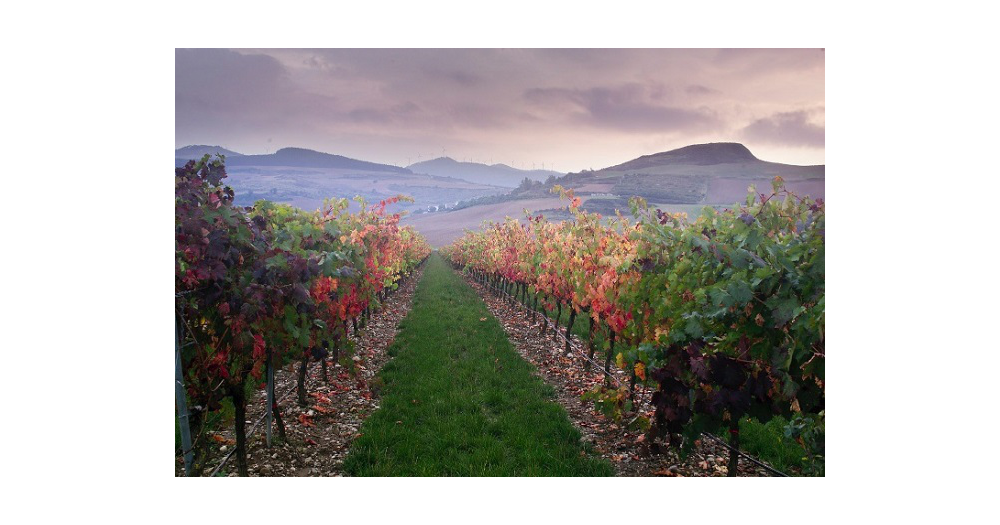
<point>622,446</point>
<point>319,434</point>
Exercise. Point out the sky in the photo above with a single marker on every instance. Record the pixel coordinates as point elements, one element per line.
<point>561,109</point>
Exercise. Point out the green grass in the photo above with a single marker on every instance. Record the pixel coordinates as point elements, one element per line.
<point>459,401</point>
<point>768,442</point>
<point>768,439</point>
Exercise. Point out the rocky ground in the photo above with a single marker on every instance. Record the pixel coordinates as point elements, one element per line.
<point>622,446</point>
<point>319,434</point>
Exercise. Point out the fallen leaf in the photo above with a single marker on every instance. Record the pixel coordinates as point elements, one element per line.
<point>320,398</point>
<point>223,440</point>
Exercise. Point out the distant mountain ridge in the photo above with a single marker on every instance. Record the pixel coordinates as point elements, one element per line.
<point>287,157</point>
<point>496,174</point>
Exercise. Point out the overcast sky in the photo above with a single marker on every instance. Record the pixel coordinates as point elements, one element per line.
<point>569,109</point>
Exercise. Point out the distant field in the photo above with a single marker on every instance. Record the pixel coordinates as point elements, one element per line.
<point>672,193</point>
<point>594,188</point>
<point>443,228</point>
<point>307,187</point>
<point>709,174</point>
<point>728,191</point>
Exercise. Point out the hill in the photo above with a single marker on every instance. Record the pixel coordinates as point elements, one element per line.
<point>696,154</point>
<point>199,151</point>
<point>307,158</point>
<point>496,174</point>
<point>681,180</point>
<point>716,174</point>
<point>305,178</point>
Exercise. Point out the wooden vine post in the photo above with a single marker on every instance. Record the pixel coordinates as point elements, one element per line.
<point>181,399</point>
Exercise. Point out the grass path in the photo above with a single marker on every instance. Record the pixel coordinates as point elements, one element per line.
<point>459,401</point>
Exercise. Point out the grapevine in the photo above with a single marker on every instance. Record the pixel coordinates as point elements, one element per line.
<point>723,315</point>
<point>269,284</point>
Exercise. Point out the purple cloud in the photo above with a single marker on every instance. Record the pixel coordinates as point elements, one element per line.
<point>627,107</point>
<point>786,129</point>
<point>522,105</point>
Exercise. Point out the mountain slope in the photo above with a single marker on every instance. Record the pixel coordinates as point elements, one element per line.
<point>715,174</point>
<point>496,174</point>
<point>307,158</point>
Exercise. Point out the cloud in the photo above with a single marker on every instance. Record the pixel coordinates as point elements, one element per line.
<point>220,80</point>
<point>770,60</point>
<point>219,91</point>
<point>698,89</point>
<point>462,78</point>
<point>370,115</point>
<point>631,107</point>
<point>519,104</point>
<point>786,129</point>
